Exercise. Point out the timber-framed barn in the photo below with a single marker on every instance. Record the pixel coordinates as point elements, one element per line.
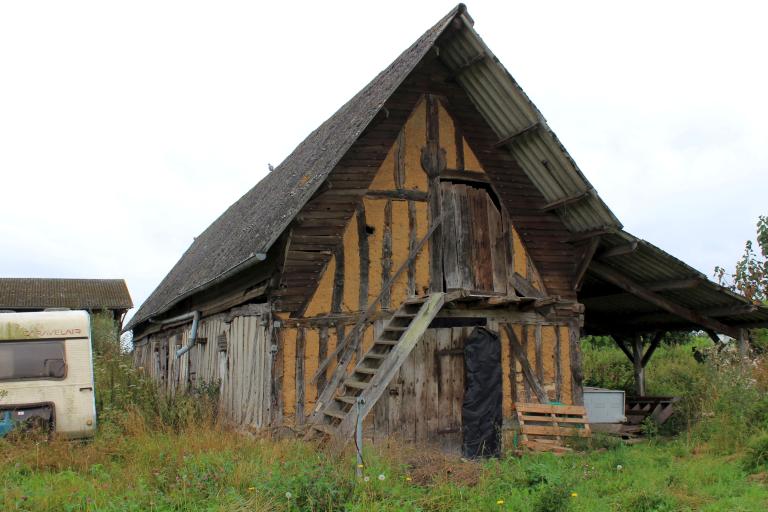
<point>436,202</point>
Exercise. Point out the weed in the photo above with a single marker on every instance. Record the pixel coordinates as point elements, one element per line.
<point>756,457</point>
<point>650,501</point>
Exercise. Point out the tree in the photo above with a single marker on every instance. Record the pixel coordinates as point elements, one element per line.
<point>750,277</point>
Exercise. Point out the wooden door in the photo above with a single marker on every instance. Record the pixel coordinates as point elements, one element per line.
<point>423,401</point>
<point>473,241</point>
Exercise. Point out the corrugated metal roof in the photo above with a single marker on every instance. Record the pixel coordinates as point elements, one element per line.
<point>524,132</point>
<point>35,293</point>
<point>650,266</point>
<point>530,140</point>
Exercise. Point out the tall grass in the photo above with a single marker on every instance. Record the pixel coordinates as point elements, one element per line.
<point>723,399</point>
<point>127,399</point>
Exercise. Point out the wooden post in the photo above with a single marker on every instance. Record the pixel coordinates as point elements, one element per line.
<point>300,353</point>
<point>433,163</point>
<point>577,374</point>
<point>362,240</point>
<point>743,344</point>
<point>637,363</point>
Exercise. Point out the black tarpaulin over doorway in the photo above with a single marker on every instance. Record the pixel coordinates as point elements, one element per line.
<point>481,412</point>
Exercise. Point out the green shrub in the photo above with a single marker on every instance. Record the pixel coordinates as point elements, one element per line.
<point>756,457</point>
<point>127,399</point>
<point>650,501</point>
<point>552,498</point>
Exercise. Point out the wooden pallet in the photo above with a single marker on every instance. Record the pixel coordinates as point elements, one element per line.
<point>546,427</point>
<point>660,408</point>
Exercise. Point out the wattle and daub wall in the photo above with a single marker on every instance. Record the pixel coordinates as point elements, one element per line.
<point>266,360</point>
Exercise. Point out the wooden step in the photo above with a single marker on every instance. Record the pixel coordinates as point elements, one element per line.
<point>369,380</point>
<point>324,428</point>
<point>335,413</point>
<point>352,400</point>
<point>352,383</point>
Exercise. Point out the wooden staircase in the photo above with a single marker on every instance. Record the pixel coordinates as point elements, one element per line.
<point>336,411</point>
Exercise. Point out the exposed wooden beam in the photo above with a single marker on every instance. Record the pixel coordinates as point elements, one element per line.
<point>615,277</point>
<point>468,64</point>
<point>623,347</point>
<point>619,250</point>
<point>652,348</point>
<point>739,309</point>
<point>673,284</point>
<point>524,287</point>
<point>583,264</point>
<point>473,176</point>
<point>586,235</point>
<point>655,286</point>
<point>568,200</point>
<point>411,195</point>
<point>639,370</point>
<point>516,136</point>
<point>522,358</point>
<point>714,337</point>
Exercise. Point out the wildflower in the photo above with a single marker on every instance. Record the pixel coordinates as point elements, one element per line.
<point>251,489</point>
<point>574,495</point>
<point>619,467</point>
<point>499,502</point>
<point>382,477</point>
<point>366,479</point>
<point>408,479</point>
<point>288,495</point>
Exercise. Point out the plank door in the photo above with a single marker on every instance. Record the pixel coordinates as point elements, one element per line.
<point>473,241</point>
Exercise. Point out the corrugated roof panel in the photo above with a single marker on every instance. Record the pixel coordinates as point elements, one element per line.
<point>509,111</point>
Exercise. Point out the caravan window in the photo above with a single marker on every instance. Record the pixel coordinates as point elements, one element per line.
<point>32,360</point>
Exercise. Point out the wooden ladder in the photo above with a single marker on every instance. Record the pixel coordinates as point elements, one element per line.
<point>373,372</point>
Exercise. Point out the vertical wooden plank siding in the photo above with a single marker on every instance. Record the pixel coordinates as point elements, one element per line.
<point>299,362</point>
<point>289,371</point>
<point>386,255</point>
<point>451,262</point>
<point>539,353</point>
<point>565,364</point>
<point>431,157</point>
<point>311,362</point>
<point>558,366</point>
<point>412,241</point>
<point>322,353</point>
<point>244,369</point>
<point>528,352</point>
<point>362,237</point>
<point>338,279</point>
<point>399,167</point>
<point>507,377</point>
<point>577,376</point>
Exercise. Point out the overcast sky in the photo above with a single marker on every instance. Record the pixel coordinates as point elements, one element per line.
<point>126,128</point>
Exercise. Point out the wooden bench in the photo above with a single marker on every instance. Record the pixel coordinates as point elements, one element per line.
<point>544,427</point>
